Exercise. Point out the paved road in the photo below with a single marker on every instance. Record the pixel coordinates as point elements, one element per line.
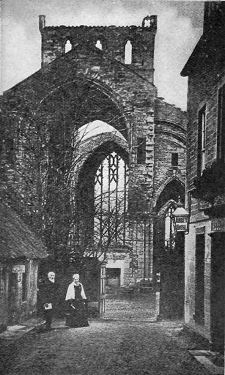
<point>122,344</point>
<point>140,307</point>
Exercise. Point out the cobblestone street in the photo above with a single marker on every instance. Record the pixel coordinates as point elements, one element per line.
<point>127,341</point>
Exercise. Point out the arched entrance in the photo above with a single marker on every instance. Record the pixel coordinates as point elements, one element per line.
<point>101,200</point>
<point>72,163</point>
<point>169,252</point>
<point>62,113</point>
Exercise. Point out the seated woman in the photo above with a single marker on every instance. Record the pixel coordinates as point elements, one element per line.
<point>76,302</point>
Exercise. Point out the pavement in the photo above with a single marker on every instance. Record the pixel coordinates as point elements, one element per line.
<point>128,315</point>
<point>14,336</point>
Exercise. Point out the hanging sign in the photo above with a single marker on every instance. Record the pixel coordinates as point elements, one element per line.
<point>181,224</point>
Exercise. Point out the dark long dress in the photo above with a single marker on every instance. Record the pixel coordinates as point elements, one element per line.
<point>77,315</point>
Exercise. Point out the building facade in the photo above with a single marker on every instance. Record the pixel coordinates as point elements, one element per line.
<point>111,153</point>
<point>204,248</point>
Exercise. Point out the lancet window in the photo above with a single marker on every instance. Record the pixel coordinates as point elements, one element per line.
<point>111,183</point>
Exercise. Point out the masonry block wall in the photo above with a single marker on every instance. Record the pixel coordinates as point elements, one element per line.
<point>113,39</point>
<point>107,88</point>
<point>170,138</point>
<point>203,89</point>
<point>4,278</point>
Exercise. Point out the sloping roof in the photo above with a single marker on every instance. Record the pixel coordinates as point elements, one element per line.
<point>198,52</point>
<point>64,69</point>
<point>16,239</point>
<point>211,44</point>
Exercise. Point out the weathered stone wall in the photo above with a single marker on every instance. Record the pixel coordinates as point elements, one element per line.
<point>112,38</point>
<point>206,74</point>
<point>170,137</point>
<point>18,298</point>
<point>3,296</point>
<point>106,89</point>
<point>203,89</point>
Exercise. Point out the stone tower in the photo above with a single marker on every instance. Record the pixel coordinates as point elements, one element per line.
<point>112,40</point>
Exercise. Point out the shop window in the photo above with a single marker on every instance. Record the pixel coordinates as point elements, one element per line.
<point>141,150</point>
<point>201,140</point>
<point>128,53</point>
<point>221,125</point>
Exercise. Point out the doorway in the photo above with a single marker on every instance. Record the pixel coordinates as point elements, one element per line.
<point>169,261</point>
<point>199,274</point>
<point>113,278</point>
<point>217,292</point>
<point>12,297</point>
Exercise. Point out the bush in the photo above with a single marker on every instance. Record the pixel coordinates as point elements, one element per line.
<point>211,183</point>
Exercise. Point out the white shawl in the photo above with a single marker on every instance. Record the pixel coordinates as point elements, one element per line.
<point>71,291</point>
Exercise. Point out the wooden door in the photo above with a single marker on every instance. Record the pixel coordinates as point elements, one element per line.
<point>12,297</point>
<point>217,292</point>
<point>199,278</point>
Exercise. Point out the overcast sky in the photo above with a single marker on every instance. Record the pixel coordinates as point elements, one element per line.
<point>179,28</point>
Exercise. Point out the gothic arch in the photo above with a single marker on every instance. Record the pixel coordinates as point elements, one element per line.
<point>173,180</point>
<point>85,208</point>
<point>166,206</point>
<point>172,190</point>
<point>169,250</point>
<point>89,146</point>
<point>89,90</point>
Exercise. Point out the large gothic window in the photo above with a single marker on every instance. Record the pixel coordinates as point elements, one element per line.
<point>111,201</point>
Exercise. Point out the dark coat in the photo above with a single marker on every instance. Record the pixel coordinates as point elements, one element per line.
<point>48,293</point>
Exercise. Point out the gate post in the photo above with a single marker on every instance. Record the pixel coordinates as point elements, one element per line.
<point>157,295</point>
<point>102,286</point>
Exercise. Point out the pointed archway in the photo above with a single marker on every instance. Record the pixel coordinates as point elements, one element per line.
<point>169,251</point>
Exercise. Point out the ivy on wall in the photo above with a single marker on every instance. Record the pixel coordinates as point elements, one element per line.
<point>211,183</point>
